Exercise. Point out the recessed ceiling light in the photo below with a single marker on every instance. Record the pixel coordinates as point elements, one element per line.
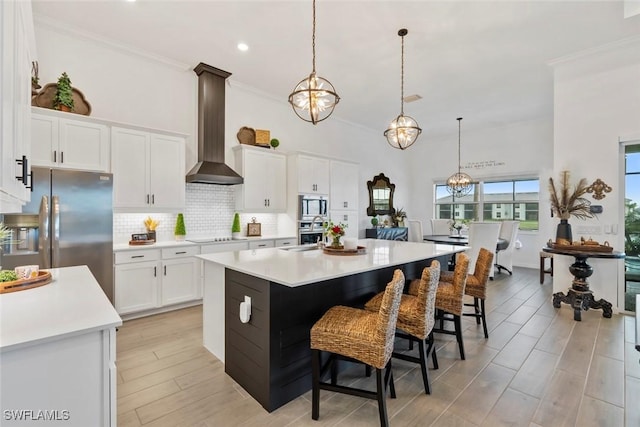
<point>243,47</point>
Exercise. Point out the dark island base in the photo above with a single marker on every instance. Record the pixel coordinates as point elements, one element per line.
<point>270,356</point>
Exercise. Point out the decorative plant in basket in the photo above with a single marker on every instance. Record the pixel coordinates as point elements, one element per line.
<point>180,231</point>
<point>567,201</point>
<point>63,100</point>
<point>235,227</point>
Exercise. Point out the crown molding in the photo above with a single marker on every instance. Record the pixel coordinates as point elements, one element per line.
<point>594,51</point>
<point>54,25</point>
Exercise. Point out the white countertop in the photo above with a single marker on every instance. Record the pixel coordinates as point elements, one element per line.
<point>118,247</point>
<point>72,304</point>
<point>293,269</point>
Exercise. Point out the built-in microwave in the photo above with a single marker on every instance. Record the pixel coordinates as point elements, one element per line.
<point>311,206</point>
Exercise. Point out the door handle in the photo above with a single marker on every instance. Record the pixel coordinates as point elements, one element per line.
<point>346,204</point>
<point>147,199</point>
<point>153,199</point>
<point>55,230</point>
<point>55,156</point>
<point>62,157</point>
<point>154,272</point>
<point>44,233</point>
<point>23,162</point>
<point>165,270</point>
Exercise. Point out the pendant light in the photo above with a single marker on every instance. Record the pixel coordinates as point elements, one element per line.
<point>403,130</point>
<point>314,98</point>
<point>459,184</point>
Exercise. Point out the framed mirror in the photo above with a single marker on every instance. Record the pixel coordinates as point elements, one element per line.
<point>380,196</point>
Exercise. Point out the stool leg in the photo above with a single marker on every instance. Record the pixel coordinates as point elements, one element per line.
<point>477,310</point>
<point>381,398</point>
<point>423,367</point>
<point>458,325</point>
<point>432,349</point>
<point>484,319</point>
<point>315,388</point>
<point>388,380</point>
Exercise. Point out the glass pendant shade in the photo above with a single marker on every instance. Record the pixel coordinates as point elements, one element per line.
<point>402,132</point>
<point>459,184</point>
<point>314,99</point>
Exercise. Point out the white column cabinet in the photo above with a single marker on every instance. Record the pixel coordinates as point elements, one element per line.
<point>344,185</point>
<point>17,51</point>
<point>313,174</point>
<point>265,180</point>
<point>61,141</point>
<point>148,171</point>
<point>349,218</point>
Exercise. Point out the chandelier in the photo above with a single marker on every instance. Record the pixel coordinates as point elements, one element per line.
<point>314,98</point>
<point>459,184</point>
<point>403,130</point>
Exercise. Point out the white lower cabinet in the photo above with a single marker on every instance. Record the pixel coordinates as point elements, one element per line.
<point>153,278</point>
<point>261,244</point>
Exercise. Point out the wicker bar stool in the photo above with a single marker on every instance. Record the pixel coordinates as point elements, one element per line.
<point>358,335</point>
<point>449,300</point>
<point>416,318</point>
<point>476,286</point>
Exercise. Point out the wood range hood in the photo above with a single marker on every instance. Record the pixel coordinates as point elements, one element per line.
<point>211,168</point>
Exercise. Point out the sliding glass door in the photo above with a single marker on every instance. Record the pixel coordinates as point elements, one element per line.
<point>632,226</point>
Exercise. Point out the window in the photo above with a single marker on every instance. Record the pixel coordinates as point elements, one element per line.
<point>493,201</point>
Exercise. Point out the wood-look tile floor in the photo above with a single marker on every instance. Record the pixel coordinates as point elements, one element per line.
<point>538,368</point>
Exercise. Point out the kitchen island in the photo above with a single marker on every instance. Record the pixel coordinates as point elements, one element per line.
<point>290,289</point>
<point>57,353</point>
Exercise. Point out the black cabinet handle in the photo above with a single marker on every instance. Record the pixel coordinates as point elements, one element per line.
<point>24,163</point>
<point>153,199</point>
<point>154,272</point>
<point>62,157</point>
<point>181,252</point>
<point>137,256</point>
<point>165,270</point>
<point>147,199</point>
<point>55,156</point>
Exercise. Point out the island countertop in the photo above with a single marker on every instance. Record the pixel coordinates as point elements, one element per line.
<point>73,303</point>
<point>292,268</point>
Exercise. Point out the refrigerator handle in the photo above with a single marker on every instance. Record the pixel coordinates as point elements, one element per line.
<point>44,248</point>
<point>55,231</point>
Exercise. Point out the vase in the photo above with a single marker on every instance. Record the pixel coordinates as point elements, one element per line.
<point>563,233</point>
<point>335,242</point>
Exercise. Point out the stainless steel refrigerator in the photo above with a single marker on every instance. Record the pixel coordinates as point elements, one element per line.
<point>73,225</point>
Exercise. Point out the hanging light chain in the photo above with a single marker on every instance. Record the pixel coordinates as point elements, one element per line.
<point>313,38</point>
<point>459,122</point>
<point>401,79</point>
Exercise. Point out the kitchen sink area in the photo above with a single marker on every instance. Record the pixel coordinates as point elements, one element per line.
<point>300,248</point>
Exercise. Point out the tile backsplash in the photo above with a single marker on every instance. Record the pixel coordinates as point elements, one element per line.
<point>209,212</point>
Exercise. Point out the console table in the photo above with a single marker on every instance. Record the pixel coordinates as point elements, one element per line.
<point>392,233</point>
<point>579,296</point>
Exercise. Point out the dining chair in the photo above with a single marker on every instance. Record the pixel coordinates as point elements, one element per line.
<point>482,235</point>
<point>440,226</point>
<point>504,258</point>
<point>357,335</point>
<point>416,318</point>
<point>415,231</point>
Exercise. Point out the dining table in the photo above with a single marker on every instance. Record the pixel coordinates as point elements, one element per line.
<point>460,240</point>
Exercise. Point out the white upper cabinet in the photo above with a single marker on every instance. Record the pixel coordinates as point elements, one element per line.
<point>148,171</point>
<point>17,51</point>
<point>344,185</point>
<point>312,174</point>
<point>265,180</point>
<point>59,140</point>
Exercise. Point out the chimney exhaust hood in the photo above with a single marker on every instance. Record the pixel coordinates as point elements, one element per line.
<point>211,168</point>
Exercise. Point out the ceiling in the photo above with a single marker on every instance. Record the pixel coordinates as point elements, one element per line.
<point>484,61</point>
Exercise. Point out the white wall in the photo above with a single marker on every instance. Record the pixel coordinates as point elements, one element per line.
<point>596,102</point>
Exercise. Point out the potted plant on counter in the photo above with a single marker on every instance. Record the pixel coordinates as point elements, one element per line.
<point>235,228</point>
<point>180,231</point>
